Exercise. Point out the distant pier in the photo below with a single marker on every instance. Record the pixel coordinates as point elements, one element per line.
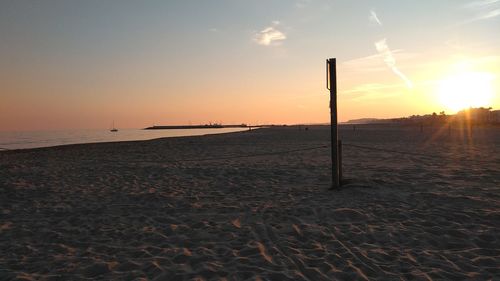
<point>208,126</point>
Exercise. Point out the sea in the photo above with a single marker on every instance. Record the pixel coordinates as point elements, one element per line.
<point>35,139</point>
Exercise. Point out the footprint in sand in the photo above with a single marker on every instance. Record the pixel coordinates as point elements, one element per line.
<point>263,252</point>
<point>236,223</point>
<point>5,226</point>
<point>297,229</point>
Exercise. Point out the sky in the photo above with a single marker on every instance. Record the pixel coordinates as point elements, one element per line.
<point>67,64</point>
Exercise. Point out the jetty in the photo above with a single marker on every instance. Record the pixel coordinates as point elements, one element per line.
<point>206,126</point>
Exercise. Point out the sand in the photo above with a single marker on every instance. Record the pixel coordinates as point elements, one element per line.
<point>168,209</point>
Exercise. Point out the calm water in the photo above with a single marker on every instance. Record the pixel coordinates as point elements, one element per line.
<point>16,140</point>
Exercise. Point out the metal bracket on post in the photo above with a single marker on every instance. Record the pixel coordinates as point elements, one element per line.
<point>331,84</point>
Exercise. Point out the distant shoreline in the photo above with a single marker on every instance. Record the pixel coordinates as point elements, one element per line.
<point>30,140</point>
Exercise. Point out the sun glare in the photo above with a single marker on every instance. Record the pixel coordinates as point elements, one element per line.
<point>467,89</point>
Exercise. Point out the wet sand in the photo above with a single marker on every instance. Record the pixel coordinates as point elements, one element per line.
<point>190,209</point>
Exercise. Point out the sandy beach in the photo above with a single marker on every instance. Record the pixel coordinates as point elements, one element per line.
<point>192,208</point>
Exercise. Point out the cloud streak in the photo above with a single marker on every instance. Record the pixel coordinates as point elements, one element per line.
<point>270,36</point>
<point>485,9</point>
<point>481,4</point>
<point>374,18</point>
<point>390,61</point>
<point>300,4</point>
<point>371,87</point>
<point>372,91</point>
<point>489,14</point>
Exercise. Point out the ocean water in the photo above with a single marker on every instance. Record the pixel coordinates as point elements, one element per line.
<point>33,139</point>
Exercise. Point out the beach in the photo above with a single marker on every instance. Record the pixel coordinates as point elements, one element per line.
<point>256,205</point>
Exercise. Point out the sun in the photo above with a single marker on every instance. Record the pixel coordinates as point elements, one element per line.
<point>466,89</point>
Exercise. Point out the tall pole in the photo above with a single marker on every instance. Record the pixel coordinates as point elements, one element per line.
<point>332,86</point>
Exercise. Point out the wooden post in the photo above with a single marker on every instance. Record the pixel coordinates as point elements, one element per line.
<point>331,84</point>
<point>340,162</point>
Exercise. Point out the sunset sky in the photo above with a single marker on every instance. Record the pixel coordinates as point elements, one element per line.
<point>82,64</point>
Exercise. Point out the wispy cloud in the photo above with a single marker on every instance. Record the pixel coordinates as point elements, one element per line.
<point>489,14</point>
<point>376,91</point>
<point>373,91</point>
<point>374,18</point>
<point>370,63</point>
<point>375,63</point>
<point>302,3</point>
<point>372,87</point>
<point>270,36</point>
<point>484,9</point>
<point>481,4</point>
<point>386,53</point>
<point>390,61</point>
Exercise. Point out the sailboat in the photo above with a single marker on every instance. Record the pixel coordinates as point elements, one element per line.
<point>113,129</point>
